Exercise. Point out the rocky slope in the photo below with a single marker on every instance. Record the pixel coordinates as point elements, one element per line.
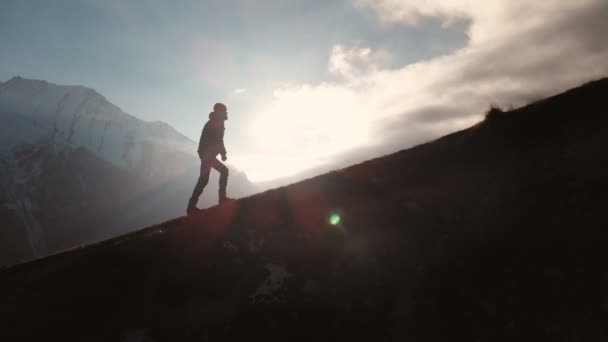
<point>74,168</point>
<point>494,233</point>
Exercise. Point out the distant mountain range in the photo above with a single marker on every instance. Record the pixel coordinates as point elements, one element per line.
<point>75,168</point>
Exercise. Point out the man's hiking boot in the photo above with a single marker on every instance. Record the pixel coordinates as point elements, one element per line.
<point>223,199</point>
<point>193,211</point>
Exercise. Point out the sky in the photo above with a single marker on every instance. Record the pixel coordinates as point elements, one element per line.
<point>311,83</point>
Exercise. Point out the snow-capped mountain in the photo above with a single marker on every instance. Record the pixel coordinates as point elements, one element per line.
<point>76,168</point>
<point>78,116</point>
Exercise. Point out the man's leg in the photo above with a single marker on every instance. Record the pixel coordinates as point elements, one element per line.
<point>223,170</point>
<point>203,179</point>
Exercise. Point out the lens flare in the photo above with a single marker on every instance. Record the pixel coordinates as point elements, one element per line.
<point>334,219</point>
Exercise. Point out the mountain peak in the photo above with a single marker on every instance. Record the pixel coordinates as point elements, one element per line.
<point>19,81</point>
<point>22,80</point>
<point>81,116</point>
<point>15,78</point>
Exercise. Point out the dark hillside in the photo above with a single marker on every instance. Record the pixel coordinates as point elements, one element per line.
<point>495,233</point>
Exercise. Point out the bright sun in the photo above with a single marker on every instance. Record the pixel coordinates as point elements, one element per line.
<point>304,129</point>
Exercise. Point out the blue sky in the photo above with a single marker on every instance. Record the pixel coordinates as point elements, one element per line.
<point>310,82</point>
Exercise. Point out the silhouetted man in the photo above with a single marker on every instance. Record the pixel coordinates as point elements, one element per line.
<point>210,145</point>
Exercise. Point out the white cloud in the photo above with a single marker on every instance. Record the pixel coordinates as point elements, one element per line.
<point>411,12</point>
<point>240,91</point>
<point>352,62</point>
<point>517,51</point>
<point>493,20</point>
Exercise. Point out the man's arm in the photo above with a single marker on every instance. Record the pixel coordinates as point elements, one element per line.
<point>202,142</point>
<point>222,147</point>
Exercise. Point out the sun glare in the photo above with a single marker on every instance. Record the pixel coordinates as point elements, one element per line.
<point>304,128</point>
<point>334,219</point>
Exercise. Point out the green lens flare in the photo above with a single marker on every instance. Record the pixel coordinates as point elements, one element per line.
<point>334,219</point>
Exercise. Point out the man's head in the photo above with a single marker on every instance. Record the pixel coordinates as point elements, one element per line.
<point>220,110</point>
<point>219,107</point>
